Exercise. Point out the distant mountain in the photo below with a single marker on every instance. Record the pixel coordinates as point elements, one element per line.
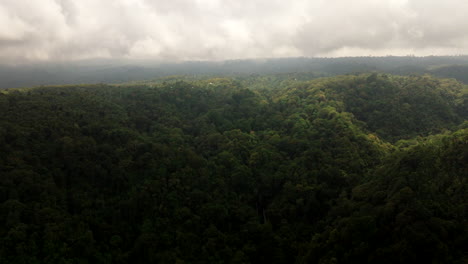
<point>111,71</point>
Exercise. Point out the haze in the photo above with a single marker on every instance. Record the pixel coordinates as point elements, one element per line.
<point>180,30</point>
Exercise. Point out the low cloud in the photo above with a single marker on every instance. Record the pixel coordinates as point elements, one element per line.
<point>50,30</point>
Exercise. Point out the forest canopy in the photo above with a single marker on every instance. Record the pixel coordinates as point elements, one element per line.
<point>256,169</point>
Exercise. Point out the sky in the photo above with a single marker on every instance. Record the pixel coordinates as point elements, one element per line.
<point>181,30</point>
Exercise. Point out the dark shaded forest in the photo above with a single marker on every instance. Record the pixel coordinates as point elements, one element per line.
<point>367,168</point>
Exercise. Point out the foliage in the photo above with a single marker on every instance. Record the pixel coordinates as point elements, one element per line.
<point>222,170</point>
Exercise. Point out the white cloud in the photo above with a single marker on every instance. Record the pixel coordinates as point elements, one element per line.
<point>228,29</point>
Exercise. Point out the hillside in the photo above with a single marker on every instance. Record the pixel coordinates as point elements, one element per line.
<point>123,71</point>
<point>254,169</point>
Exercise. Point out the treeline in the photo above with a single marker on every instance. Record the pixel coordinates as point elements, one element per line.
<point>350,169</point>
<point>122,71</point>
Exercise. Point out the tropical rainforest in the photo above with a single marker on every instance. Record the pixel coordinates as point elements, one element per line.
<point>279,168</point>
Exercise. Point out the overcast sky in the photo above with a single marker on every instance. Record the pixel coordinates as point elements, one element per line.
<point>43,30</point>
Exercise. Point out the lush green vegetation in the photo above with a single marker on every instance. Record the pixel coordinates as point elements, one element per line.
<point>268,169</point>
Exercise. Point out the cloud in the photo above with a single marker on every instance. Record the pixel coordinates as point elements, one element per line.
<point>32,30</point>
